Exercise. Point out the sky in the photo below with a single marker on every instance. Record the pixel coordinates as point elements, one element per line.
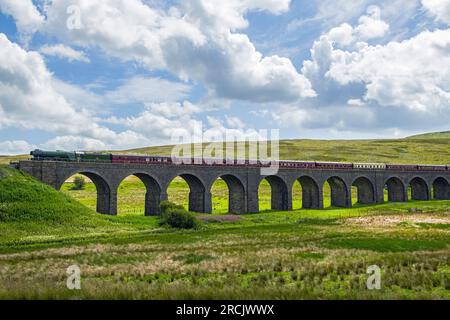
<point>121,74</point>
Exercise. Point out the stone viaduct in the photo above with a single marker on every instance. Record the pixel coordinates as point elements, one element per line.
<point>243,184</point>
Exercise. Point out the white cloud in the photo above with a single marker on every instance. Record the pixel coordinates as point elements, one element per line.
<point>414,74</point>
<point>218,132</point>
<point>65,52</point>
<point>332,12</point>
<point>174,120</point>
<point>15,147</point>
<point>80,98</point>
<point>383,88</point>
<point>355,102</point>
<point>147,90</point>
<point>370,27</point>
<point>197,40</point>
<point>343,34</point>
<point>439,8</point>
<point>158,127</point>
<point>28,98</point>
<point>121,141</point>
<point>74,143</point>
<point>173,109</point>
<point>26,15</point>
<point>234,122</point>
<point>31,98</point>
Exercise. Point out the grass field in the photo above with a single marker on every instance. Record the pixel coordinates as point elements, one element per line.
<point>302,254</point>
<point>273,255</point>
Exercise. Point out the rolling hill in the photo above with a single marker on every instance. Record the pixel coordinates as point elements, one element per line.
<point>430,148</point>
<point>433,148</point>
<point>432,135</point>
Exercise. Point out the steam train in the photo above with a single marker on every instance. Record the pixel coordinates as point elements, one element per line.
<point>39,155</point>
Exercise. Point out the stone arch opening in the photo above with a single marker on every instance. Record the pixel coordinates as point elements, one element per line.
<point>339,194</point>
<point>143,194</point>
<point>441,189</point>
<point>365,191</point>
<point>419,189</point>
<point>230,195</point>
<point>396,190</point>
<point>279,193</point>
<point>193,187</point>
<point>104,203</point>
<point>310,194</point>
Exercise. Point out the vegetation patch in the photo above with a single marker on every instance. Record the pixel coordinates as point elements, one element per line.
<point>318,221</point>
<point>220,219</point>
<point>176,216</point>
<point>311,255</point>
<point>192,258</point>
<point>386,244</point>
<point>78,183</point>
<point>434,225</point>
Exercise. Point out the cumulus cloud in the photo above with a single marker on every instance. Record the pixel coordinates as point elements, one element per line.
<point>27,96</point>
<point>159,126</point>
<point>173,109</point>
<point>171,121</point>
<point>27,17</point>
<point>30,99</point>
<point>384,88</point>
<point>438,8</point>
<point>370,27</point>
<point>65,52</point>
<point>197,40</point>
<point>413,74</point>
<point>15,147</point>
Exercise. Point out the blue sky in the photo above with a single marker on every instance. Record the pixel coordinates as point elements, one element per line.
<point>118,74</point>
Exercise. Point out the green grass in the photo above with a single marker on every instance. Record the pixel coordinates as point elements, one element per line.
<point>302,254</point>
<point>31,212</point>
<point>387,244</point>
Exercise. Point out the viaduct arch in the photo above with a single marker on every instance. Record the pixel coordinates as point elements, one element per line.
<point>311,193</point>
<point>441,189</point>
<point>365,190</point>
